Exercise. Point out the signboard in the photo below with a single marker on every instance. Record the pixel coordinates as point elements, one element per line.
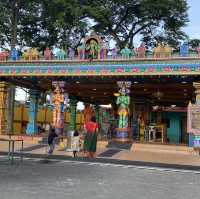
<point>196,141</point>
<point>193,119</point>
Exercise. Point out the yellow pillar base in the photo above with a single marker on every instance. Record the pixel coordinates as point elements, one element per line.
<point>3,107</point>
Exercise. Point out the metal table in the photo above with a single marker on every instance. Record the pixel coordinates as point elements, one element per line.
<point>11,147</point>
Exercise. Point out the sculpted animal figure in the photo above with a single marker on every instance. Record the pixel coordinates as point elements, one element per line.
<point>14,54</point>
<point>47,54</point>
<point>141,51</point>
<point>60,54</point>
<point>126,53</point>
<point>4,56</point>
<point>31,54</point>
<point>198,50</point>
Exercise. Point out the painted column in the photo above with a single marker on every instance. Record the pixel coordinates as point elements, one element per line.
<point>11,106</point>
<point>3,107</point>
<point>32,127</point>
<point>97,113</point>
<point>58,100</point>
<point>73,105</point>
<point>197,101</point>
<point>123,102</point>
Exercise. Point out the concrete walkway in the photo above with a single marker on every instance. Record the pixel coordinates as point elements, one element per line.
<point>155,153</point>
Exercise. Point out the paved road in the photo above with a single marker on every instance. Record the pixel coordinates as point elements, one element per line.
<point>35,179</point>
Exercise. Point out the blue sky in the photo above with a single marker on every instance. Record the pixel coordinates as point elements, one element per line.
<point>193,27</point>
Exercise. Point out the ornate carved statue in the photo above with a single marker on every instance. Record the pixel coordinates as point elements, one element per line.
<point>123,102</point>
<point>81,52</point>
<point>47,54</point>
<point>114,53</point>
<point>71,53</point>
<point>103,51</point>
<point>60,54</point>
<point>4,56</point>
<point>58,101</point>
<point>198,50</point>
<point>140,51</point>
<point>93,48</point>
<point>31,54</point>
<point>184,49</point>
<point>14,55</point>
<point>126,53</point>
<point>162,51</point>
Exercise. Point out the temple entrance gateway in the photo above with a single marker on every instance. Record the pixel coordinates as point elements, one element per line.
<point>147,94</point>
<point>156,114</point>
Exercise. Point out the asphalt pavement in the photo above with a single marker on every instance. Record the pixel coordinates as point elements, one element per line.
<point>59,179</point>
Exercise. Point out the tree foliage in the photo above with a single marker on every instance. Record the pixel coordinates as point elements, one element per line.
<point>64,23</point>
<point>194,43</point>
<point>153,20</point>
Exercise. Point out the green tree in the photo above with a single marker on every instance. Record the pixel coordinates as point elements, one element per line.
<point>39,24</point>
<point>153,20</point>
<point>194,43</point>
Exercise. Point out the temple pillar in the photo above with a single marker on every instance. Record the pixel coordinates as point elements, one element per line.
<point>32,127</point>
<point>97,109</point>
<point>197,101</point>
<point>3,107</point>
<point>11,106</point>
<point>123,102</point>
<point>73,106</point>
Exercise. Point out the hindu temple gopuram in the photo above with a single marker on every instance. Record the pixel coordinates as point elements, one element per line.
<point>150,93</point>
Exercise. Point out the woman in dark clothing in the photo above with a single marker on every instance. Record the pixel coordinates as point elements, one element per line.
<point>90,141</point>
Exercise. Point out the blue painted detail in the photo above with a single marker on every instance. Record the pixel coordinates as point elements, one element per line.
<point>191,138</point>
<point>184,50</point>
<point>33,107</point>
<point>121,134</point>
<point>14,55</point>
<point>159,66</point>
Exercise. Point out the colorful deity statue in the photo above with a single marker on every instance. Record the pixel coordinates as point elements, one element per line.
<point>4,56</point>
<point>31,54</point>
<point>93,48</point>
<point>126,53</point>
<point>184,49</point>
<point>81,52</point>
<point>60,54</point>
<point>71,53</point>
<point>14,54</point>
<point>167,51</point>
<point>123,101</point>
<point>140,51</point>
<point>114,53</point>
<point>103,51</point>
<point>58,102</point>
<point>157,51</point>
<point>47,54</point>
<point>198,50</point>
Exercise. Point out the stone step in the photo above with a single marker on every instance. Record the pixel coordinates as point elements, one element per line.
<point>162,148</point>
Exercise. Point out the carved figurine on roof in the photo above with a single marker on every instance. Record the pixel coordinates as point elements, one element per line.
<point>162,51</point>
<point>141,51</point>
<point>198,50</point>
<point>184,49</point>
<point>126,53</point>
<point>31,54</point>
<point>95,48</point>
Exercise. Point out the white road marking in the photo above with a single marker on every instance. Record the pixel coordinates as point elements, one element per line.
<point>73,162</point>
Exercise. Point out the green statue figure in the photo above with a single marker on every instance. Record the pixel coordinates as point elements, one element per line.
<point>93,49</point>
<point>123,101</point>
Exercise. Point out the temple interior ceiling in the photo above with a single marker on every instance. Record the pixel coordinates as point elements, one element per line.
<point>154,89</point>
